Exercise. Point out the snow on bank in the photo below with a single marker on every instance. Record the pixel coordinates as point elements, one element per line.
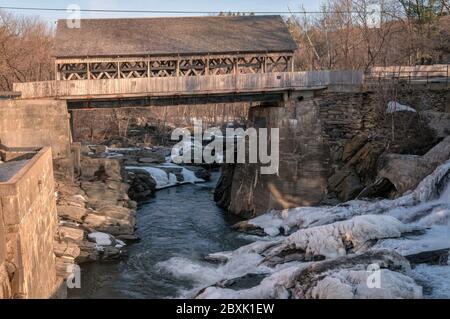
<point>414,223</point>
<point>103,240</point>
<point>166,179</point>
<point>340,238</point>
<point>352,284</point>
<point>397,107</point>
<point>271,287</point>
<point>429,193</point>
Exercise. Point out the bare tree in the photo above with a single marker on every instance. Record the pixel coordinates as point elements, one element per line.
<point>25,50</point>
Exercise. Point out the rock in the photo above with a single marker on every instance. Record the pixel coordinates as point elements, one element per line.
<point>73,213</point>
<point>200,172</point>
<point>70,234</point>
<point>435,257</point>
<point>222,193</point>
<point>405,172</point>
<point>338,177</point>
<point>354,145</point>
<point>440,153</point>
<point>100,194</point>
<point>88,253</point>
<point>74,200</point>
<point>365,161</point>
<point>109,225</point>
<point>152,158</point>
<point>98,149</point>
<point>111,253</point>
<point>128,238</point>
<point>66,249</point>
<point>142,184</point>
<point>439,122</point>
<point>114,211</point>
<point>345,183</point>
<point>100,169</point>
<point>347,277</point>
<point>350,187</point>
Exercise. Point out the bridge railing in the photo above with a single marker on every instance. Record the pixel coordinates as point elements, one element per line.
<point>169,86</point>
<point>410,74</point>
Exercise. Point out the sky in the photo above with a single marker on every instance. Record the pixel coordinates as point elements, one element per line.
<point>181,5</point>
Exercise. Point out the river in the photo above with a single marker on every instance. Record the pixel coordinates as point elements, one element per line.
<point>179,223</point>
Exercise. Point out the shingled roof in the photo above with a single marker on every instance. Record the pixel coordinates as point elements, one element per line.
<point>173,36</point>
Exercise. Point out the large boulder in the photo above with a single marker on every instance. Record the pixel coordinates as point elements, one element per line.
<point>405,172</point>
<point>354,145</point>
<point>345,183</point>
<point>142,184</point>
<point>200,172</point>
<point>73,213</point>
<point>439,122</point>
<point>113,226</point>
<point>100,194</point>
<point>100,169</point>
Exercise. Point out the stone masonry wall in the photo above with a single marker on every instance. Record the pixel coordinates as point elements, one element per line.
<point>28,210</point>
<point>303,169</point>
<point>5,283</point>
<point>330,145</point>
<point>36,123</point>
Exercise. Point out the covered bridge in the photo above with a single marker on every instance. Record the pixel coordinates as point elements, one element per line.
<point>172,47</point>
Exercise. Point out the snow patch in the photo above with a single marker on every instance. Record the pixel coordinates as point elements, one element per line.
<point>334,240</point>
<point>352,284</point>
<point>397,107</point>
<point>101,239</point>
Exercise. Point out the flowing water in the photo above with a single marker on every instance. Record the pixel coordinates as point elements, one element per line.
<point>180,223</point>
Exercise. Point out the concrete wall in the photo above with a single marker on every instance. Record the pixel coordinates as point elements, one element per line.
<point>36,123</point>
<point>28,210</point>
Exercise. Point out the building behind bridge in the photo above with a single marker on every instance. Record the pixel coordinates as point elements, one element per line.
<point>171,47</point>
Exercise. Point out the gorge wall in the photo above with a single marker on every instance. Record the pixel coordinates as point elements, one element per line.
<point>330,146</point>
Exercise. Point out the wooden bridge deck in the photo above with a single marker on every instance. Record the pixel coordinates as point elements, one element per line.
<point>180,86</point>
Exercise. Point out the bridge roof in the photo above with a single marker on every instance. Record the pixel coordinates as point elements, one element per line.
<point>173,36</point>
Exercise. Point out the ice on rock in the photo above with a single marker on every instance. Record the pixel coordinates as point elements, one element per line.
<point>189,177</point>
<point>353,284</point>
<point>334,240</point>
<point>164,179</point>
<point>436,238</point>
<point>427,194</point>
<point>271,287</point>
<point>159,176</point>
<point>101,239</point>
<point>204,274</point>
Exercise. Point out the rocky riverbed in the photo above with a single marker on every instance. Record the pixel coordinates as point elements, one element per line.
<point>359,249</point>
<point>377,248</point>
<point>97,212</point>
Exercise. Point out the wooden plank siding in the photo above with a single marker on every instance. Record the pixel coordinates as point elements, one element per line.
<point>167,86</point>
